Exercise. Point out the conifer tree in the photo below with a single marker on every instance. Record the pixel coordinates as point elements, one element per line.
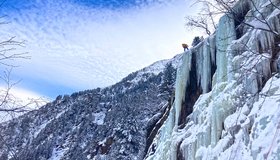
<point>169,76</point>
<point>196,40</point>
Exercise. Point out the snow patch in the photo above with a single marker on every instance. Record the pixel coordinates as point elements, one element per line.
<point>57,154</point>
<point>99,118</point>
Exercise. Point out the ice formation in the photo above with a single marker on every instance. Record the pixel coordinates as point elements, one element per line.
<point>227,77</point>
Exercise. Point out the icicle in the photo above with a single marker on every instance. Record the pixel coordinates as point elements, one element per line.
<point>212,44</point>
<point>206,69</point>
<point>163,150</point>
<point>205,59</point>
<point>182,80</point>
<point>225,35</point>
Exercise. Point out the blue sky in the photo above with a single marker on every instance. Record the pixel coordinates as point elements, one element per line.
<point>83,44</point>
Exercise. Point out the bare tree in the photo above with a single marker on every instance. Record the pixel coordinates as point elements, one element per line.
<point>247,14</point>
<point>205,20</point>
<point>198,22</point>
<point>227,7</point>
<point>10,105</point>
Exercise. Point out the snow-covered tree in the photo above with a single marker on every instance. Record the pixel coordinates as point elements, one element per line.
<point>169,76</point>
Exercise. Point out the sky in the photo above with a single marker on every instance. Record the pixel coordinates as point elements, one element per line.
<point>75,45</point>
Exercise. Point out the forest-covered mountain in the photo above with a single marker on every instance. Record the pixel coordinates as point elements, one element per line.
<point>109,123</point>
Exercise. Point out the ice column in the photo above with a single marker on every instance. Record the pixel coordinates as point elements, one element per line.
<point>163,139</point>
<point>224,37</point>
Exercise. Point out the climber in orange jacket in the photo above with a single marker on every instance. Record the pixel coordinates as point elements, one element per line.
<point>185,46</point>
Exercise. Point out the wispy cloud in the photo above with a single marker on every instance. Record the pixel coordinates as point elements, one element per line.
<point>80,47</point>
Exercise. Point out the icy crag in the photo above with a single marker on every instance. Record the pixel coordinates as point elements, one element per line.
<point>236,110</point>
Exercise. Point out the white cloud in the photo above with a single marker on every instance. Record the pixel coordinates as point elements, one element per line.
<point>80,47</point>
<point>25,95</point>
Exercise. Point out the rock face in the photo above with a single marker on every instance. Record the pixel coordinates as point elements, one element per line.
<point>110,123</point>
<point>236,110</point>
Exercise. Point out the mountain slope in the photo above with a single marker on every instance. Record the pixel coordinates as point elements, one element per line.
<point>108,123</point>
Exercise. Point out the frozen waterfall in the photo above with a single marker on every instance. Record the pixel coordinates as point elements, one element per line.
<point>217,89</point>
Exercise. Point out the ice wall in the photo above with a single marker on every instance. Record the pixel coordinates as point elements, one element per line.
<point>212,108</point>
<point>195,72</point>
<point>222,118</point>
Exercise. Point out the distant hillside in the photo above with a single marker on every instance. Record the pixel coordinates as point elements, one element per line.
<point>109,123</point>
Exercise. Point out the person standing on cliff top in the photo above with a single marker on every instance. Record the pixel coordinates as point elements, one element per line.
<point>185,46</point>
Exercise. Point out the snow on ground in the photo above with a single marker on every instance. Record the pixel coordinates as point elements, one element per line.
<point>258,135</point>
<point>57,154</point>
<point>99,118</point>
<point>265,136</point>
<point>157,67</point>
<point>38,129</point>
